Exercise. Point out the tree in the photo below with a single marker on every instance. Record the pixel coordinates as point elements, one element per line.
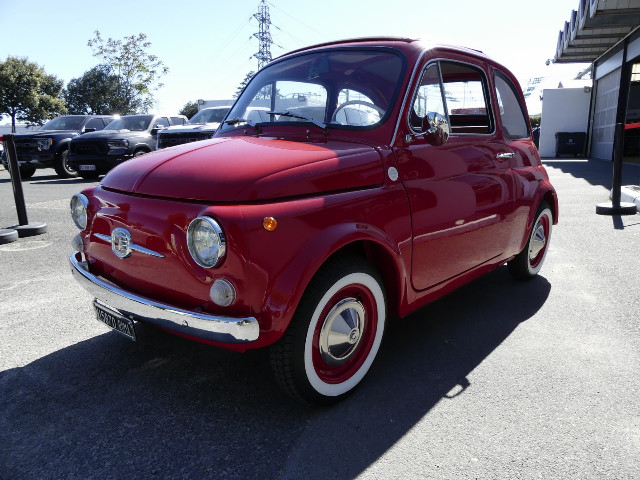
<point>244,83</point>
<point>28,93</point>
<point>137,70</point>
<point>189,109</point>
<point>95,92</point>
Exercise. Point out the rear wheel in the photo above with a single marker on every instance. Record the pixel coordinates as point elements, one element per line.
<point>62,167</point>
<point>335,333</point>
<point>528,262</point>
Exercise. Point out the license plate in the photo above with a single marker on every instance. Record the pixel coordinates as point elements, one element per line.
<point>115,321</point>
<point>85,168</point>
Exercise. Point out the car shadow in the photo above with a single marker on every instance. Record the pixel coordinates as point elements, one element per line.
<point>168,407</point>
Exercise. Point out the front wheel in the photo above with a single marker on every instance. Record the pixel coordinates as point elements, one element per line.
<point>335,333</point>
<point>27,171</point>
<point>62,166</point>
<point>528,262</point>
<point>89,174</point>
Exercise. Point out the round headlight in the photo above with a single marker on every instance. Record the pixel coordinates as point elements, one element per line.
<point>206,241</point>
<point>79,205</point>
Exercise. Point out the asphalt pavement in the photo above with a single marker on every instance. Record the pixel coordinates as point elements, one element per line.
<point>497,380</point>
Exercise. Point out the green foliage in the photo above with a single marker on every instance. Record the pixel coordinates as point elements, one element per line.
<point>243,84</point>
<point>535,121</point>
<point>138,72</point>
<point>189,109</point>
<point>28,93</point>
<point>95,92</point>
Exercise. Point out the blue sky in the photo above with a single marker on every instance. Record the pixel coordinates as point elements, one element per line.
<point>208,45</point>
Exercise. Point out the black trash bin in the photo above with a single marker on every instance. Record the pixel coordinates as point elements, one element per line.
<point>570,143</point>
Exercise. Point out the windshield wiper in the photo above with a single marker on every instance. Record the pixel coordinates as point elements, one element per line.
<point>238,121</point>
<point>287,113</point>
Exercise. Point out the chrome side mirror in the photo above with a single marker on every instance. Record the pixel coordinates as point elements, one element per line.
<point>435,130</point>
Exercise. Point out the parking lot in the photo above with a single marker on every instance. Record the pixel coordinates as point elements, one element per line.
<point>497,380</point>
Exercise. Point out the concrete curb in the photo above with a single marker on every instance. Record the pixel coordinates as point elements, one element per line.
<point>631,194</point>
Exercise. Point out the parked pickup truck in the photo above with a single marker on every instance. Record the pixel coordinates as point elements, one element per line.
<point>202,126</point>
<point>48,146</point>
<point>385,173</point>
<point>96,153</point>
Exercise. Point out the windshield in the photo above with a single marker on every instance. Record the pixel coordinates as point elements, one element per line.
<point>209,115</point>
<point>348,88</point>
<point>64,123</point>
<point>136,123</point>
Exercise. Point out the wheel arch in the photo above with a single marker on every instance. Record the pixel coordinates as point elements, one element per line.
<point>62,146</point>
<point>551,198</point>
<point>141,148</point>
<point>339,241</point>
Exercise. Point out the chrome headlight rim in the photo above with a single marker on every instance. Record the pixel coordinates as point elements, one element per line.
<point>217,237</point>
<point>79,204</point>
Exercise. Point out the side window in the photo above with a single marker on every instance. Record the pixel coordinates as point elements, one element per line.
<point>428,98</point>
<point>177,121</point>
<point>466,94</point>
<point>512,116</point>
<point>164,121</point>
<point>95,123</point>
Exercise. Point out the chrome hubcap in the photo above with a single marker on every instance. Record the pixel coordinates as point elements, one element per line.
<point>342,331</point>
<point>538,241</point>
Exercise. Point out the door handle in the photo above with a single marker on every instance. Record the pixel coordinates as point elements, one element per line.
<point>505,156</point>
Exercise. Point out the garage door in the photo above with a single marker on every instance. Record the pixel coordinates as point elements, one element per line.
<point>604,116</point>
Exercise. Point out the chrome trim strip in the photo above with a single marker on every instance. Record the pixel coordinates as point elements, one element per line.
<point>199,325</point>
<point>133,246</point>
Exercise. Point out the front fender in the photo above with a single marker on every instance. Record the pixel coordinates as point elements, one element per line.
<point>318,234</point>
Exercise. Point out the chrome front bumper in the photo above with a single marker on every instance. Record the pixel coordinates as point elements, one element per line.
<point>199,325</point>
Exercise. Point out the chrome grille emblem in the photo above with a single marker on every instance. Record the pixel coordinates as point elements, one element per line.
<point>121,242</point>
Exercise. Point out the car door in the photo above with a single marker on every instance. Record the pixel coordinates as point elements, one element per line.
<point>519,150</point>
<point>460,194</point>
<point>162,121</point>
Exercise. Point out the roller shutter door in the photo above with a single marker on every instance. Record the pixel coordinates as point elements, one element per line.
<point>604,115</point>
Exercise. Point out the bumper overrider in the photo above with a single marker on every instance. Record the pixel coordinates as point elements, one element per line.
<point>199,325</point>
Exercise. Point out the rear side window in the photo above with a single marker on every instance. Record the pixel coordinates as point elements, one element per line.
<point>512,117</point>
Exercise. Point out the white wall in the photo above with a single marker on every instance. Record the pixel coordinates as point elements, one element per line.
<point>563,110</point>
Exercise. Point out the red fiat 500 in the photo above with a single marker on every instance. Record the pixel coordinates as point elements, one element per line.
<point>351,182</point>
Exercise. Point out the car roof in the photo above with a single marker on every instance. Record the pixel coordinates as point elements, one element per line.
<point>405,44</point>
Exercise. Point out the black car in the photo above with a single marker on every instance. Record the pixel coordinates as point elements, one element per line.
<point>201,126</point>
<point>48,146</point>
<point>96,153</point>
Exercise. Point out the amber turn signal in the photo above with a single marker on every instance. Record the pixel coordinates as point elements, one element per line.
<point>269,224</point>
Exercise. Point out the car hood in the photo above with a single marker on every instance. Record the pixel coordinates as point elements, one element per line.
<point>48,134</point>
<point>196,127</point>
<point>114,134</point>
<point>242,169</point>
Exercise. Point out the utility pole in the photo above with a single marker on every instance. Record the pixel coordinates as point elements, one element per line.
<point>263,35</point>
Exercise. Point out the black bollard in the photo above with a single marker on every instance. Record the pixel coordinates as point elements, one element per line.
<point>24,228</point>
<point>615,206</point>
